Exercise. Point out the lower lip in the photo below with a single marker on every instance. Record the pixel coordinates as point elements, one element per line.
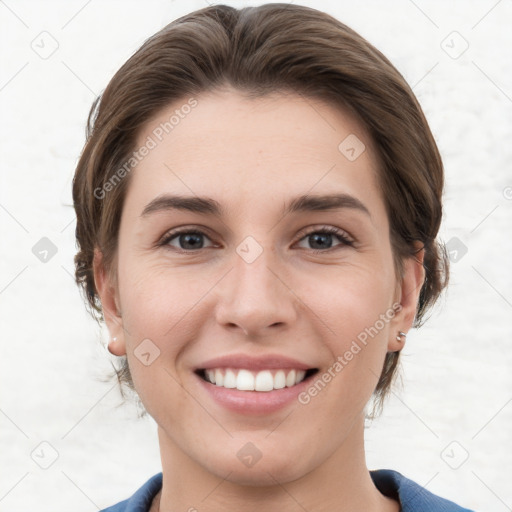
<point>253,402</point>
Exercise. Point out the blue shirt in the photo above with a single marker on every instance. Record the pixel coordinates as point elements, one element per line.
<point>412,497</point>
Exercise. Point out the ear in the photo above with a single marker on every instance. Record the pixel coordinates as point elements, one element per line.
<point>407,296</point>
<point>107,292</point>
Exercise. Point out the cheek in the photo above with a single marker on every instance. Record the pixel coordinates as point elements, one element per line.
<point>155,296</point>
<point>163,314</point>
<point>355,308</point>
<point>353,298</point>
<point>157,307</point>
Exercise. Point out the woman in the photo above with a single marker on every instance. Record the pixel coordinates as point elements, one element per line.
<point>257,206</point>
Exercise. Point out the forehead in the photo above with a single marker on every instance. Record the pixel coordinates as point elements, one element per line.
<point>226,145</point>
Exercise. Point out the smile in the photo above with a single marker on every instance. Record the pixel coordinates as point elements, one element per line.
<point>253,384</point>
<point>264,380</point>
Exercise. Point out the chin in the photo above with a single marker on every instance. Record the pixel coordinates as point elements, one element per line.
<point>267,470</point>
<point>263,476</point>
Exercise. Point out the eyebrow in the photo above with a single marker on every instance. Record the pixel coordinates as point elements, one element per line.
<point>207,205</point>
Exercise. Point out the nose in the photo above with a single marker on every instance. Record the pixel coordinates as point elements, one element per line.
<point>255,297</point>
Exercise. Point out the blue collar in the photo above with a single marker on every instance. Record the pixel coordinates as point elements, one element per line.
<point>412,497</point>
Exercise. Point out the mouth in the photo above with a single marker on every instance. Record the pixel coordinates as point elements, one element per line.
<point>253,384</point>
<point>263,380</point>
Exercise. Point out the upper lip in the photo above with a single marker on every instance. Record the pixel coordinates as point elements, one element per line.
<point>243,361</point>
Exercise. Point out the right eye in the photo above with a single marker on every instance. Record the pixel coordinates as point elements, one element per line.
<point>185,240</point>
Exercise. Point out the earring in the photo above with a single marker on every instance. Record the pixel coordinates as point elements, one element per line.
<point>401,335</point>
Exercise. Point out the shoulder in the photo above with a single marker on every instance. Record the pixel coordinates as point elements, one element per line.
<point>412,497</point>
<point>141,500</point>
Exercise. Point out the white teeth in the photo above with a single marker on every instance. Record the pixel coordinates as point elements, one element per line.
<point>290,379</point>
<point>300,376</point>
<point>230,379</point>
<point>245,380</point>
<point>264,381</point>
<point>279,380</point>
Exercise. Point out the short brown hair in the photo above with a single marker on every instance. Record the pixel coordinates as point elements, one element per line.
<point>260,50</point>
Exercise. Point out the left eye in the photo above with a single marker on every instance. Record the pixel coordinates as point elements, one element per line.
<point>321,239</point>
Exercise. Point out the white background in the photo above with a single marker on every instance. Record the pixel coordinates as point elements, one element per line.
<point>457,379</point>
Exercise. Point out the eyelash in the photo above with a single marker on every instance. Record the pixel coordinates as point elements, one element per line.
<point>327,230</point>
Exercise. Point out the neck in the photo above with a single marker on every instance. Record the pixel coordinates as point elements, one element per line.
<point>341,483</point>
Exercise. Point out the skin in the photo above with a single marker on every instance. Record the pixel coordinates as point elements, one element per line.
<point>253,156</point>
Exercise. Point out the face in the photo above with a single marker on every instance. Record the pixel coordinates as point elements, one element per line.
<point>254,252</point>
